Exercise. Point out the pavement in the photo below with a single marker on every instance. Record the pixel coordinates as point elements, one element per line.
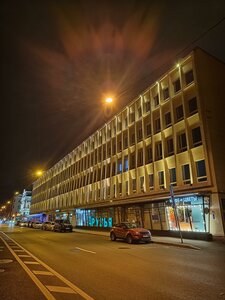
<point>163,240</point>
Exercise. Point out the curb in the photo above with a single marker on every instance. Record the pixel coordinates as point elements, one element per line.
<point>155,242</point>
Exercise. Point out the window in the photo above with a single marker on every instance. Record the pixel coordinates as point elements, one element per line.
<point>168,119</point>
<point>132,138</point>
<point>114,190</point>
<point>176,86</point>
<point>148,129</point>
<point>147,106</point>
<point>148,155</point>
<point>113,169</point>
<point>139,112</point>
<point>119,166</point>
<point>182,142</point>
<point>151,181</point>
<point>158,151</point>
<point>166,93</point>
<point>196,136</point>
<point>201,170</point>
<point>127,187</point>
<point>119,126</point>
<point>139,134</point>
<point>132,117</point>
<point>186,174</point>
<point>156,100</point>
<point>142,183</point>
<point>134,184</point>
<point>119,145</point>
<point>157,125</point>
<point>179,112</point>
<point>173,176</point>
<point>189,77</point>
<point>120,188</point>
<point>132,160</point>
<point>125,142</point>
<point>161,179</point>
<point>193,108</point>
<point>126,165</point>
<point>125,121</point>
<point>140,157</point>
<point>170,148</point>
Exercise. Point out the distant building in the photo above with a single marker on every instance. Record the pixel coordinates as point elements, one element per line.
<point>16,204</point>
<point>25,204</point>
<point>172,135</point>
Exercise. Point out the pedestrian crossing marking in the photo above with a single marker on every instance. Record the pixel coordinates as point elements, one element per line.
<point>31,263</point>
<point>23,255</point>
<point>42,273</point>
<point>60,289</point>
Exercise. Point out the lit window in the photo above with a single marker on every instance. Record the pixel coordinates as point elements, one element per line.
<point>201,170</point>
<point>196,136</point>
<point>119,166</point>
<point>186,174</point>
<point>126,166</point>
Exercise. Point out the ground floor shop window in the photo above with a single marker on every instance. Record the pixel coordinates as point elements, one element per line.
<point>94,218</point>
<point>192,214</point>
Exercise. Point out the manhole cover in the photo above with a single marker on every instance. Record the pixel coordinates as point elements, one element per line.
<point>5,261</point>
<point>123,248</point>
<point>2,270</point>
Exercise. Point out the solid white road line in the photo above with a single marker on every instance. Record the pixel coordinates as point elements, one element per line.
<point>81,249</point>
<point>43,289</point>
<point>42,273</point>
<point>63,279</point>
<point>60,289</point>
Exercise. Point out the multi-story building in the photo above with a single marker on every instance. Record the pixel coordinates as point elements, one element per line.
<point>16,204</point>
<point>172,135</point>
<point>25,204</point>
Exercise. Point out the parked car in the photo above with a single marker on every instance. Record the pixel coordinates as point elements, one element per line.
<point>48,225</point>
<point>130,233</point>
<point>23,224</point>
<point>62,226</point>
<point>37,225</point>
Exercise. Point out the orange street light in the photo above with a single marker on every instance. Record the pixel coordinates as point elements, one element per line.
<point>109,100</point>
<point>39,173</point>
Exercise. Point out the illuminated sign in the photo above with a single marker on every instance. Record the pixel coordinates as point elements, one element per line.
<point>99,222</point>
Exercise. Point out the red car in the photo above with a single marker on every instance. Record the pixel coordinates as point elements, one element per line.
<point>130,233</point>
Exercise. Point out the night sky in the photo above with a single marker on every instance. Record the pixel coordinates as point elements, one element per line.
<point>59,59</point>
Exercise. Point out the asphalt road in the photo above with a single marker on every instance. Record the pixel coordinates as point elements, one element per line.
<point>102,269</point>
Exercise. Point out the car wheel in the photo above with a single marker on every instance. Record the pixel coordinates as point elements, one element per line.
<point>112,236</point>
<point>129,239</point>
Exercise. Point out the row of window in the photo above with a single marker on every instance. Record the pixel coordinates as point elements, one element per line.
<point>134,186</point>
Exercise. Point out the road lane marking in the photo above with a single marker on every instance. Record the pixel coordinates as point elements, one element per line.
<point>42,273</point>
<point>31,263</point>
<point>18,250</point>
<point>60,289</point>
<point>81,249</point>
<point>43,289</point>
<point>23,255</point>
<point>37,281</point>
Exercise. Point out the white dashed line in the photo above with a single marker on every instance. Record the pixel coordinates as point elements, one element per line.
<point>81,249</point>
<point>60,289</point>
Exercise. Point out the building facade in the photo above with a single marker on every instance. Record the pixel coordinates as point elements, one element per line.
<point>171,137</point>
<point>25,204</point>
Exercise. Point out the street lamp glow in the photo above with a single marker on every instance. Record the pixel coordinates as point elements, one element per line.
<point>109,100</point>
<point>39,172</point>
<point>8,202</point>
<point>16,193</point>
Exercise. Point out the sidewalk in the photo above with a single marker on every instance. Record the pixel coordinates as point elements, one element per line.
<point>163,240</point>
